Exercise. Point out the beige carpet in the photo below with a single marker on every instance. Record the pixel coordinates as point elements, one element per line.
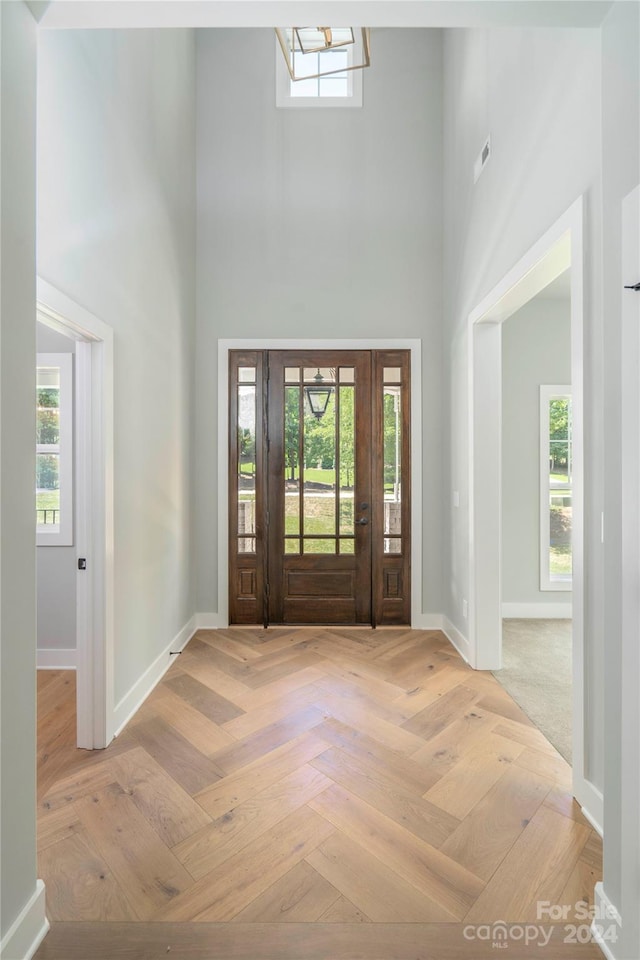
<point>536,657</point>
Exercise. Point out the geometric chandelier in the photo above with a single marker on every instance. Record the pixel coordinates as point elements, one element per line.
<point>303,47</point>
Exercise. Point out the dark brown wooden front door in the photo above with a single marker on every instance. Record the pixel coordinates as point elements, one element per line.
<point>319,487</point>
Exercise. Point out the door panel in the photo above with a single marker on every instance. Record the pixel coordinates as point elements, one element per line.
<point>246,488</point>
<point>391,544</point>
<point>319,556</point>
<point>319,494</point>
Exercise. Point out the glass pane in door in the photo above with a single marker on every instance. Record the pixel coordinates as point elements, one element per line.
<point>347,464</point>
<point>292,462</point>
<point>319,460</point>
<point>392,479</point>
<point>319,469</point>
<point>246,467</point>
<point>319,545</point>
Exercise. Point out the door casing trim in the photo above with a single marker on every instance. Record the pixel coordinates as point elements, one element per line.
<point>562,246</point>
<point>94,533</point>
<point>414,346</point>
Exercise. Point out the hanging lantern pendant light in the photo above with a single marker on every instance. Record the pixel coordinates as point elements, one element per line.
<point>318,395</point>
<point>316,39</point>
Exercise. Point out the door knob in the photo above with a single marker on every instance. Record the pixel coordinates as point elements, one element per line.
<point>363,521</point>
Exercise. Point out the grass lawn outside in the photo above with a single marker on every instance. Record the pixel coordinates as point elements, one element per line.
<point>560,561</point>
<point>319,517</point>
<point>313,475</point>
<point>47,500</point>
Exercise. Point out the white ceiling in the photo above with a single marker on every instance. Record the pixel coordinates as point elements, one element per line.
<point>76,14</point>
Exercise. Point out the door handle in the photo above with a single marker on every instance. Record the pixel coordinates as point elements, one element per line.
<point>363,521</point>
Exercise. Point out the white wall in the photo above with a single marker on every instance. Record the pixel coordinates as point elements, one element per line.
<point>538,94</point>
<point>621,173</point>
<point>536,349</point>
<point>318,223</point>
<point>56,566</point>
<point>17,466</point>
<point>116,187</point>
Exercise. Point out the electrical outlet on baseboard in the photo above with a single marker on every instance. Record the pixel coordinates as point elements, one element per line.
<point>464,609</point>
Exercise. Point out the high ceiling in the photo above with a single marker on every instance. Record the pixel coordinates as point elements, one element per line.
<point>75,14</point>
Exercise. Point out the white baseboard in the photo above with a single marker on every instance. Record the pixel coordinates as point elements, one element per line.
<point>27,932</point>
<point>141,689</point>
<point>592,804</point>
<point>427,621</point>
<point>606,916</point>
<point>458,639</point>
<point>209,621</point>
<point>48,659</point>
<point>213,621</point>
<point>537,611</point>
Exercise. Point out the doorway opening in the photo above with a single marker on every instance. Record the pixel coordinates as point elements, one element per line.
<point>92,545</point>
<point>319,487</point>
<point>537,484</point>
<point>561,248</point>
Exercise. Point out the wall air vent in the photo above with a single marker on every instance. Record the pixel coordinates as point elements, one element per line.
<point>482,160</point>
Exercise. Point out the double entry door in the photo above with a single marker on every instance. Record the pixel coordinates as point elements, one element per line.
<point>319,487</point>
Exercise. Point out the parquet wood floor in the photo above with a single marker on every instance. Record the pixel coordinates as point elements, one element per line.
<point>312,794</point>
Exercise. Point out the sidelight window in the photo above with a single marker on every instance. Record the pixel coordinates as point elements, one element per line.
<point>392,458</point>
<point>246,458</point>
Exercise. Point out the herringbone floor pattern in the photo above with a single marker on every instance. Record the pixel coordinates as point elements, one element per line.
<point>307,793</point>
